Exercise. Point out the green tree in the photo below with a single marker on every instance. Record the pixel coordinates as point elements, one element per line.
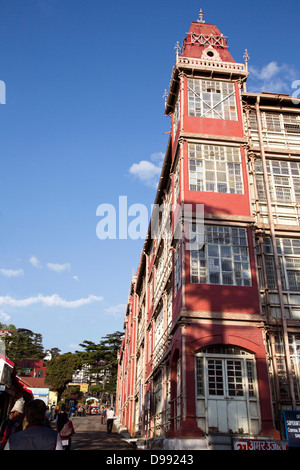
<point>72,392</point>
<point>103,361</point>
<point>11,328</point>
<point>95,390</point>
<point>55,352</point>
<point>93,356</point>
<point>23,344</point>
<point>60,370</point>
<point>111,344</point>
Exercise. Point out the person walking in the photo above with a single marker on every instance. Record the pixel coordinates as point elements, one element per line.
<point>64,427</point>
<point>110,415</point>
<point>103,415</point>
<point>62,418</point>
<point>36,435</point>
<point>15,424</point>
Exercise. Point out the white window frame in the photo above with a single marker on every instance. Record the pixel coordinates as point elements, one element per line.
<point>159,327</point>
<point>280,130</point>
<point>176,114</point>
<point>223,258</point>
<point>176,182</point>
<point>215,168</point>
<point>294,343</point>
<point>288,250</point>
<point>177,266</point>
<point>212,99</point>
<point>283,178</point>
<point>159,277</point>
<point>233,380</point>
<point>227,376</point>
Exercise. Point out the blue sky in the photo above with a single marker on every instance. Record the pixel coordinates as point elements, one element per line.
<point>84,124</point>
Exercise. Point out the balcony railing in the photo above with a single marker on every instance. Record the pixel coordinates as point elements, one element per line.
<point>211,65</point>
<point>162,346</point>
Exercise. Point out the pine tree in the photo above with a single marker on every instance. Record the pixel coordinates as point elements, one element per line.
<point>24,344</point>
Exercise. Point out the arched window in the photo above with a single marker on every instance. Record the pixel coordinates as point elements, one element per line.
<point>226,390</point>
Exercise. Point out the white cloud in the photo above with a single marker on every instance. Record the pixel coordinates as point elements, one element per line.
<point>58,268</point>
<point>147,171</point>
<point>4,317</point>
<point>273,78</point>
<point>268,71</point>
<point>158,157</point>
<point>116,310</point>
<point>12,272</point>
<point>34,261</point>
<point>76,278</point>
<point>49,301</point>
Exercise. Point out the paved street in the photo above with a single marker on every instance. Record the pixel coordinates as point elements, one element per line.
<point>90,434</point>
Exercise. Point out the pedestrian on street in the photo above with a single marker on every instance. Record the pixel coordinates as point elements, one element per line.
<point>15,423</point>
<point>48,413</point>
<point>64,426</point>
<point>36,436</point>
<point>62,418</point>
<point>110,415</point>
<point>53,414</point>
<point>103,415</point>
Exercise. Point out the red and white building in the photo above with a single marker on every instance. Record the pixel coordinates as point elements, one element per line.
<point>12,388</point>
<point>212,327</point>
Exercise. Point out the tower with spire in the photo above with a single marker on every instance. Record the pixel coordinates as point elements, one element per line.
<point>201,318</point>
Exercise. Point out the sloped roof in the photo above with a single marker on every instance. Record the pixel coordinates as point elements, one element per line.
<point>35,382</point>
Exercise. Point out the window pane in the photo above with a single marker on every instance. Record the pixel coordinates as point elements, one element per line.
<point>250,376</point>
<point>224,259</point>
<point>215,377</point>
<point>289,263</point>
<point>235,378</point>
<point>211,168</point>
<point>211,99</point>
<point>199,365</point>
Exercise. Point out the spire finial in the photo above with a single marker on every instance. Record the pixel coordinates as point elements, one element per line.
<point>201,20</point>
<point>177,48</point>
<point>246,57</point>
<point>165,95</point>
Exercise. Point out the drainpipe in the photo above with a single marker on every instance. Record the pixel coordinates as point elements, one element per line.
<point>133,378</point>
<point>182,234</point>
<point>274,363</point>
<point>181,92</point>
<point>276,259</point>
<point>183,371</point>
<point>143,388</point>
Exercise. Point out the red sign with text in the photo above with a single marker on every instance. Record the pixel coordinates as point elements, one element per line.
<point>258,444</point>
